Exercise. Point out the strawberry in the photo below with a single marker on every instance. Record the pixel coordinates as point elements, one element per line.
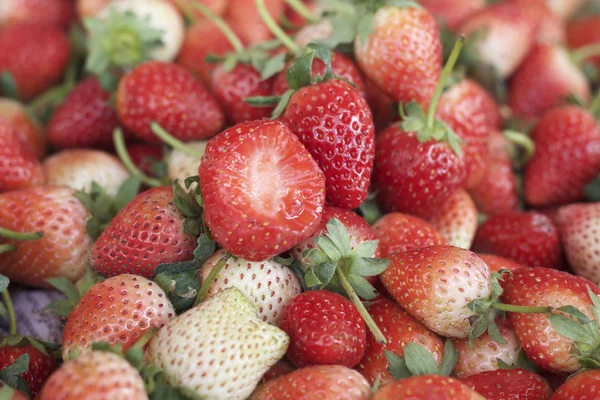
<point>324,328</point>
<point>564,8</point>
<point>269,285</point>
<point>403,54</point>
<point>552,29</point>
<point>425,387</point>
<point>217,7</point>
<point>147,232</point>
<point>244,15</point>
<point>95,375</point>
<point>79,168</point>
<point>566,158</point>
<point>12,394</point>
<point>326,382</point>
<point>510,384</point>
<point>456,220</point>
<point>263,192</point>
<point>145,155</point>
<point>85,118</point>
<point>580,386</point>
<point>528,238</point>
<point>382,106</point>
<point>452,13</point>
<point>19,167</point>
<point>582,32</point>
<point>89,8</point>
<point>65,247</point>
<point>282,367</point>
<point>543,81</point>
<point>35,55</point>
<point>118,310</point>
<point>398,233</point>
<point>496,263</point>
<point>399,329</point>
<point>314,33</point>
<point>218,349</point>
<point>181,165</point>
<point>30,132</point>
<point>170,96</point>
<point>39,12</point>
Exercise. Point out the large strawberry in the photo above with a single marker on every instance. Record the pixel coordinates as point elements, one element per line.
<point>29,131</point>
<point>456,220</point>
<point>581,386</point>
<point>510,384</point>
<point>19,167</point>
<point>40,12</point>
<point>263,191</point>
<point>425,387</point>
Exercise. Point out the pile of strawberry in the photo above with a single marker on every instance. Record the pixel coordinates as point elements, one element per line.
<point>277,199</point>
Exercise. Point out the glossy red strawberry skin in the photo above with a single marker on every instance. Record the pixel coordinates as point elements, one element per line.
<point>528,238</point>
<point>426,387</point>
<point>585,385</point>
<point>30,132</point>
<point>324,328</point>
<point>510,384</point>
<point>263,191</point>
<point>144,154</point>
<point>413,177</point>
<point>170,96</point>
<point>496,263</point>
<point>40,367</point>
<point>84,119</point>
<point>35,55</point>
<point>567,157</point>
<point>335,124</point>
<point>403,55</point>
<point>19,167</point>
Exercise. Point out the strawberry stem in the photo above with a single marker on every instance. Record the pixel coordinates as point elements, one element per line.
<point>50,98</point>
<point>458,45</point>
<point>123,154</point>
<point>361,308</point>
<point>173,142</point>
<point>8,234</point>
<point>7,247</point>
<point>276,29</point>
<point>218,21</point>
<point>302,10</point>
<point>520,309</point>
<point>203,292</point>
<point>523,141</point>
<point>11,312</point>
<point>595,106</point>
<point>585,52</point>
<point>145,338</point>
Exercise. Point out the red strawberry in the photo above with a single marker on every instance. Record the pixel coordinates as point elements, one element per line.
<point>543,81</point>
<point>335,124</point>
<point>510,384</point>
<point>29,131</point>
<point>39,12</point>
<point>65,247</point>
<point>85,118</point>
<point>528,238</point>
<point>452,12</point>
<point>147,232</point>
<point>551,28</point>
<point>398,233</point>
<point>118,310</point>
<point>244,15</point>
<point>324,328</point>
<point>384,109</point>
<point>496,263</point>
<point>542,287</point>
<point>583,32</point>
<point>399,329</point>
<point>426,387</point>
<point>585,385</point>
<point>567,157</point>
<point>144,155</point>
<point>325,382</point>
<point>218,7</point>
<point>41,364</point>
<point>19,167</point>
<point>281,368</point>
<point>35,55</point>
<point>170,96</point>
<point>403,55</point>
<point>263,192</point>
<point>456,220</point>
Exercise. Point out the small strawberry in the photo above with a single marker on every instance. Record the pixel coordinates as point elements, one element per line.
<point>510,384</point>
<point>398,233</point>
<point>263,192</point>
<point>452,13</point>
<point>497,263</point>
<point>584,385</point>
<point>528,238</point>
<point>57,13</point>
<point>19,167</point>
<point>218,349</point>
<point>324,328</point>
<point>170,96</point>
<point>325,382</point>
<point>582,32</point>
<point>456,220</point>
<point>30,132</point>
<point>244,14</point>
<point>425,387</point>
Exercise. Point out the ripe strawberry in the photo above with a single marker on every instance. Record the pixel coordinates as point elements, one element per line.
<point>282,367</point>
<point>398,233</point>
<point>269,285</point>
<point>39,12</point>
<point>35,55</point>
<point>147,232</point>
<point>403,55</point>
<point>435,284</point>
<point>218,7</point>
<point>510,384</point>
<point>543,81</point>
<point>118,310</point>
<point>399,329</point>
<point>326,382</point>
<point>452,13</point>
<point>335,124</point>
<point>95,375</point>
<point>263,192</point>
<point>384,109</point>
<point>324,328</point>
<point>551,28</point>
<point>218,349</point>
<point>496,263</point>
<point>85,118</point>
<point>244,15</point>
<point>543,287</point>
<point>582,32</point>
<point>456,220</point>
<point>144,155</point>
<point>30,132</point>
<point>425,387</point>
<point>170,96</point>
<point>566,157</point>
<point>581,386</point>
<point>19,167</point>
<point>528,238</point>
<point>65,247</point>
<point>496,193</point>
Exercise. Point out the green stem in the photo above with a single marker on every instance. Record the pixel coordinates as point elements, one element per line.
<point>585,52</point>
<point>8,234</point>
<point>523,141</point>
<point>11,312</point>
<point>361,308</point>
<point>302,10</point>
<point>121,150</point>
<point>520,309</point>
<point>458,45</point>
<point>52,96</point>
<point>203,292</point>
<point>218,21</point>
<point>595,106</point>
<point>174,143</point>
<point>145,338</point>
<point>5,248</point>
<point>276,29</point>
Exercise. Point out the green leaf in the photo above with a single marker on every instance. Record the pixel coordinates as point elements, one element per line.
<point>525,363</point>
<point>7,393</point>
<point>323,53</point>
<point>325,272</point>
<point>338,233</point>
<point>65,286</point>
<point>569,328</point>
<point>494,332</point>
<point>90,278</point>
<point>11,374</point>
<point>329,248</point>
<point>285,99</point>
<point>369,266</point>
<point>299,73</point>
<point>206,248</point>
<point>503,365</point>
<point>4,281</point>
<point>365,249</point>
<point>366,26</point>
<point>397,366</point>
<point>263,101</point>
<point>177,268</point>
<point>8,86</point>
<point>449,359</point>
<point>596,307</point>
<point>344,28</point>
<point>181,288</point>
<point>363,289</point>
<point>479,327</point>
<point>419,361</point>
<point>570,310</point>
<point>315,256</point>
<point>273,66</point>
<point>127,192</point>
<point>370,211</point>
<point>310,278</point>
